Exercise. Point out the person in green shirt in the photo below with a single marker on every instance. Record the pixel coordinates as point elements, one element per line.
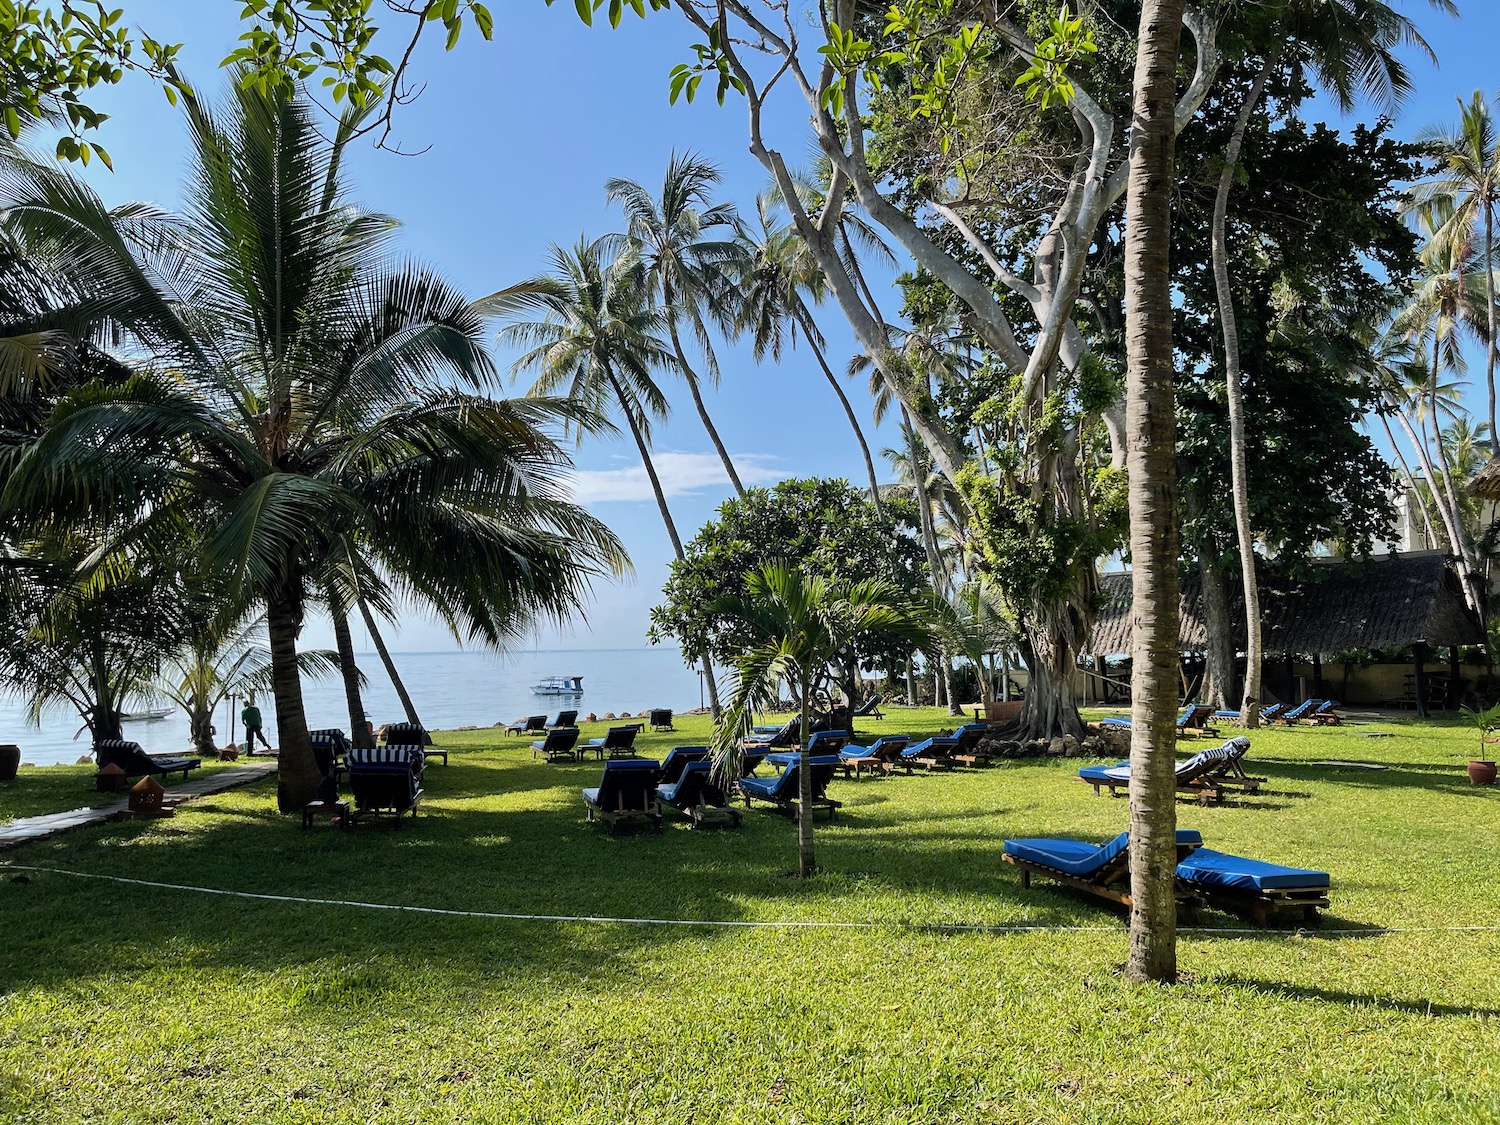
<point>250,716</point>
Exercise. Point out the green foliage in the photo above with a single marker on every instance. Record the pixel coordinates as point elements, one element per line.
<point>1067,41</point>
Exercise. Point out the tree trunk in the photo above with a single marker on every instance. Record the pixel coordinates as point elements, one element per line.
<point>298,773</point>
<point>1219,683</point>
<point>807,865</point>
<point>105,724</point>
<point>1489,298</point>
<point>1153,497</point>
<point>953,705</point>
<point>1051,704</point>
<point>1233,381</point>
<point>1455,537</point>
<point>390,665</point>
<point>359,727</point>
<point>1442,452</point>
<point>201,727</point>
<point>691,378</point>
<point>859,433</point>
<point>1411,482</point>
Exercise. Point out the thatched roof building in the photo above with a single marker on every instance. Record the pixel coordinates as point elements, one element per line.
<point>1383,603</point>
<point>1486,482</point>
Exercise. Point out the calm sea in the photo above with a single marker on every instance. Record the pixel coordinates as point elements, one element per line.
<point>450,689</point>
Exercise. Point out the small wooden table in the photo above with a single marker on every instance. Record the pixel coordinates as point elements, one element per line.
<point>338,809</point>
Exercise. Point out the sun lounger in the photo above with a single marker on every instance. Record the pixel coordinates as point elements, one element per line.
<point>627,789</point>
<point>932,754</point>
<point>1267,713</point>
<point>1207,775</point>
<point>1260,890</point>
<point>532,724</point>
<point>618,743</point>
<point>696,794</point>
<point>781,790</point>
<point>1100,869</point>
<point>822,742</point>
<point>870,708</point>
<point>385,780</point>
<point>1326,714</point>
<point>874,758</point>
<point>773,738</point>
<point>1302,711</point>
<point>413,734</point>
<point>678,759</point>
<point>661,719</point>
<point>329,745</point>
<point>968,737</point>
<point>136,762</point>
<point>561,742</point>
<point>564,719</point>
<point>1192,721</point>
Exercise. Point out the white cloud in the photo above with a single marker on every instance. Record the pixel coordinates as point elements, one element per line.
<point>681,474</point>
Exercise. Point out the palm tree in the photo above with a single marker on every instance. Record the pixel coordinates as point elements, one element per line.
<point>685,267</point>
<point>309,398</point>
<point>779,270</point>
<point>599,343</point>
<point>796,627</point>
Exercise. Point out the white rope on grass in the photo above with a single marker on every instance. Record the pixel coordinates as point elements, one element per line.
<point>789,924</point>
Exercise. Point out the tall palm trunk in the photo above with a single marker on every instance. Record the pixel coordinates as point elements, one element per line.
<point>390,665</point>
<point>1411,481</point>
<point>1489,301</point>
<point>666,517</point>
<point>1445,514</point>
<point>1233,382</point>
<point>1437,439</point>
<point>859,434</point>
<point>106,710</point>
<point>359,729</point>
<point>807,864</point>
<point>298,774</point>
<point>691,378</point>
<point>1153,497</point>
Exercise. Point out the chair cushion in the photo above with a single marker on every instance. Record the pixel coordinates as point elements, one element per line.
<point>591,796</point>
<point>1076,857</point>
<point>1120,772</point>
<point>1215,869</point>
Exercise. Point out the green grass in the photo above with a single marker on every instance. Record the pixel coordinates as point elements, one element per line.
<point>128,1003</point>
<point>46,789</point>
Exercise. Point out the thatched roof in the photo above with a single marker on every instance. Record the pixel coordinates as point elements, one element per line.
<point>1385,603</point>
<point>1486,482</point>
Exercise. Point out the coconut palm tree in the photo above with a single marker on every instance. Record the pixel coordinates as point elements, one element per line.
<point>685,266</point>
<point>796,627</point>
<point>314,391</point>
<point>599,344</point>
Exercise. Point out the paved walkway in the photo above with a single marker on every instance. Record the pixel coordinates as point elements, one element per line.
<point>31,828</point>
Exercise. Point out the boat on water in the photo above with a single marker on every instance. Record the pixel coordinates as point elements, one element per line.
<point>150,715</point>
<point>559,685</point>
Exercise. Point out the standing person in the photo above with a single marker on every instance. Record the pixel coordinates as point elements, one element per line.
<point>250,716</point>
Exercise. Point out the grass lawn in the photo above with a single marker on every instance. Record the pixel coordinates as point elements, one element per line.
<point>47,789</point>
<point>125,1003</point>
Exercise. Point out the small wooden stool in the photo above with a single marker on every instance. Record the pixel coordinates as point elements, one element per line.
<point>339,809</point>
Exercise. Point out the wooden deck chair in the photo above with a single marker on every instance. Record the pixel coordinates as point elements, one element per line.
<point>413,734</point>
<point>385,780</point>
<point>1099,869</point>
<point>870,708</point>
<point>627,789</point>
<point>565,719</point>
<point>532,724</point>
<point>931,754</point>
<point>136,762</point>
<point>618,743</point>
<point>1202,776</point>
<point>855,761</point>
<point>661,719</point>
<point>696,794</point>
<point>781,790</point>
<point>561,742</point>
<point>967,752</point>
<point>1261,891</point>
<point>678,759</point>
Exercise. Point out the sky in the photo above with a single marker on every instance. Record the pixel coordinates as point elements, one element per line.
<point>517,139</point>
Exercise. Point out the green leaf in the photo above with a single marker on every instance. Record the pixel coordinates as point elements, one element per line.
<point>585,11</point>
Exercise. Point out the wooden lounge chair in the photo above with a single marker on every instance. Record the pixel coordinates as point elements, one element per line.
<point>561,742</point>
<point>1102,869</point>
<point>413,734</point>
<point>329,745</point>
<point>627,789</point>
<point>968,738</point>
<point>781,790</point>
<point>931,754</point>
<point>1303,710</point>
<point>1235,718</point>
<point>697,794</point>
<point>877,757</point>
<point>565,719</point>
<point>776,738</point>
<point>532,724</point>
<point>1326,715</point>
<point>137,763</point>
<point>1185,719</point>
<point>1206,776</point>
<point>661,719</point>
<point>386,780</point>
<point>1258,890</point>
<point>618,743</point>
<point>819,743</point>
<point>870,708</point>
<point>678,759</point>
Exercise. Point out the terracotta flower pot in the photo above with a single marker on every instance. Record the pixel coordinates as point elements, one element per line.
<point>1482,773</point>
<point>10,761</point>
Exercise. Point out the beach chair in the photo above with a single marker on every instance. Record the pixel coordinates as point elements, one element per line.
<point>137,763</point>
<point>877,757</point>
<point>1099,869</point>
<point>385,780</point>
<point>618,743</point>
<point>1326,714</point>
<point>773,738</point>
<point>1206,775</point>
<point>661,719</point>
<point>696,794</point>
<point>781,790</point>
<point>932,754</point>
<point>413,734</point>
<point>1299,712</point>
<point>329,745</point>
<point>1267,713</point>
<point>678,759</point>
<point>627,789</point>
<point>1261,891</point>
<point>561,742</point>
<point>750,761</point>
<point>532,724</point>
<point>564,719</point>
<point>821,742</point>
<point>968,737</point>
<point>1184,717</point>
<point>870,708</point>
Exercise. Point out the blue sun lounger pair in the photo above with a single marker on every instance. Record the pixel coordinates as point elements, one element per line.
<point>1261,890</point>
<point>1192,721</point>
<point>1207,775</point>
<point>782,790</point>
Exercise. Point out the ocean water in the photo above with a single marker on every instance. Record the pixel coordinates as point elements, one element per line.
<point>450,689</point>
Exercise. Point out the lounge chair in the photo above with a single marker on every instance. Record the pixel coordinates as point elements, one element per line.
<point>627,789</point>
<point>1326,715</point>
<point>774,738</point>
<point>822,742</point>
<point>532,724</point>
<point>932,754</point>
<point>413,734</point>
<point>1249,886</point>
<point>1192,721</point>
<point>1267,713</point>
<point>696,794</point>
<point>1100,869</point>
<point>1303,710</point>
<point>661,719</point>
<point>678,759</point>
<point>136,762</point>
<point>564,719</point>
<point>561,742</point>
<point>870,708</point>
<point>781,790</point>
<point>1206,775</point>
<point>968,737</point>
<point>386,780</point>
<point>878,757</point>
<point>329,745</point>
<point>618,743</point>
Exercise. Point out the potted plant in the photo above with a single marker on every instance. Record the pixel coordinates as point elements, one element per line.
<point>1482,769</point>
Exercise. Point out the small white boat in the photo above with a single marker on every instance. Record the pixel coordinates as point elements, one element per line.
<point>150,715</point>
<point>559,685</point>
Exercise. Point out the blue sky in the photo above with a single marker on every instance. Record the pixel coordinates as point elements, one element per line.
<point>520,136</point>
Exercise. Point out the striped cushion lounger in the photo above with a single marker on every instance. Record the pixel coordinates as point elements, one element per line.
<point>386,780</point>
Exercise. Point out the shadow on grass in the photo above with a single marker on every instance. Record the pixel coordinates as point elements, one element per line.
<point>1415,1007</point>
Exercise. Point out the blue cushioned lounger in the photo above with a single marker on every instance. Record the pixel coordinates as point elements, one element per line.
<point>933,753</point>
<point>1267,713</point>
<point>1096,868</point>
<point>782,789</point>
<point>1182,718</point>
<point>967,739</point>
<point>1253,886</point>
<point>1204,775</point>
<point>1299,712</point>
<point>880,755</point>
<point>696,794</point>
<point>561,742</point>
<point>628,788</point>
<point>677,760</point>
